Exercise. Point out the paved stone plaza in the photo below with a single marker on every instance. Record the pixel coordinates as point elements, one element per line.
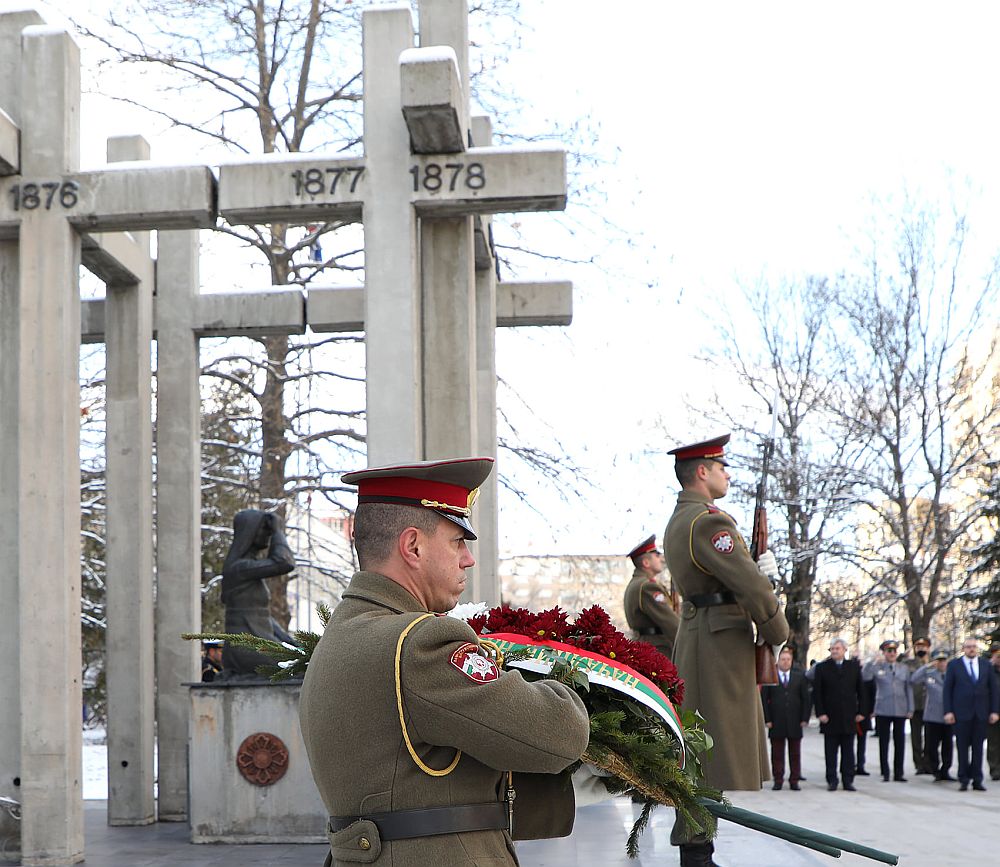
<point>927,824</point>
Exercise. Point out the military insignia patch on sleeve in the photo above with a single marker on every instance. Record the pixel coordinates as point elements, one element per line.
<point>474,666</point>
<point>659,597</point>
<point>723,542</point>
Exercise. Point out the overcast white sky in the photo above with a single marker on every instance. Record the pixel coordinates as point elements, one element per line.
<point>740,139</point>
<point>746,139</point>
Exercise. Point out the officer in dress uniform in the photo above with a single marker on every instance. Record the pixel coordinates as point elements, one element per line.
<point>417,740</point>
<point>725,596</point>
<point>893,707</point>
<point>647,601</point>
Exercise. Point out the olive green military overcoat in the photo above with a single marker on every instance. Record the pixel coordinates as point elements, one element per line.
<point>647,604</point>
<point>453,699</point>
<point>714,652</point>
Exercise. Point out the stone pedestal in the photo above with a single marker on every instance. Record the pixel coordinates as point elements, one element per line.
<point>249,774</point>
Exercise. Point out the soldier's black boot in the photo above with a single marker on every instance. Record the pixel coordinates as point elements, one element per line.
<point>697,855</point>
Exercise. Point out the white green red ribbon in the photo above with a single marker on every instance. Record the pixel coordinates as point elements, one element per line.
<point>609,673</point>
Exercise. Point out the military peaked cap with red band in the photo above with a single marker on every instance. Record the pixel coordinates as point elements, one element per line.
<point>713,450</point>
<point>448,487</point>
<point>643,547</point>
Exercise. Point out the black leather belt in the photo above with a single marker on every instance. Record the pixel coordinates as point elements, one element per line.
<point>649,630</point>
<point>428,822</point>
<point>709,600</point>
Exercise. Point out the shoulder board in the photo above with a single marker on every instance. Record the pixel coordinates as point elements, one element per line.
<point>714,510</point>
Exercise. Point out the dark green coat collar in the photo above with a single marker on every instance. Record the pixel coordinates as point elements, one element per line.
<point>380,590</point>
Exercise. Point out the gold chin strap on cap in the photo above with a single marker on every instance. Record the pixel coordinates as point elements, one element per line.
<point>399,707</point>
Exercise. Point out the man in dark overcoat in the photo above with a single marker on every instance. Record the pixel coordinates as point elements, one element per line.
<point>726,595</point>
<point>787,706</point>
<point>648,608</point>
<point>839,700</point>
<point>971,703</point>
<point>424,750</point>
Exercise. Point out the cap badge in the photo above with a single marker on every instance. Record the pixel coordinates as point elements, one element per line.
<point>723,542</point>
<point>477,668</point>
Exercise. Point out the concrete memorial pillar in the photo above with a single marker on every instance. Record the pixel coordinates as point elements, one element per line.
<point>11,25</point>
<point>178,511</point>
<point>393,372</point>
<point>48,448</point>
<point>129,587</point>
<point>48,207</point>
<point>418,177</point>
<point>486,582</point>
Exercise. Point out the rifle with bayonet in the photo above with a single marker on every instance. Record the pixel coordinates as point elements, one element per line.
<point>767,670</point>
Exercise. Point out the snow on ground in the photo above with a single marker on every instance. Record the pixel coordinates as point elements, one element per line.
<point>95,764</point>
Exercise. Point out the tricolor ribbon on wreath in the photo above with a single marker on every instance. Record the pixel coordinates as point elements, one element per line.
<point>541,655</point>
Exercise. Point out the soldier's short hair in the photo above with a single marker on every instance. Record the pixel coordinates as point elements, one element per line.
<point>686,471</point>
<point>377,527</point>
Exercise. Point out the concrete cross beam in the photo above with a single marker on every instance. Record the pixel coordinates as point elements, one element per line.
<point>433,101</point>
<point>280,310</point>
<point>288,310</point>
<point>113,199</point>
<point>114,257</point>
<point>293,188</point>
<point>545,302</point>
<point>489,181</point>
<point>10,145</point>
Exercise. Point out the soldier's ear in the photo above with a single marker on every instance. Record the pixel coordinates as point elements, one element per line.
<point>408,545</point>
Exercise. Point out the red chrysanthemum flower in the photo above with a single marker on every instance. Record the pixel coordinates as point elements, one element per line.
<point>592,631</point>
<point>550,625</point>
<point>478,623</point>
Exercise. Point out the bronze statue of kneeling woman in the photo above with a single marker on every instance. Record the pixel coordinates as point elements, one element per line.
<point>259,551</point>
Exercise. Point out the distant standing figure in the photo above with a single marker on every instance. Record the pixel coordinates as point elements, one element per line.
<point>993,731</point>
<point>786,713</point>
<point>937,733</point>
<point>971,703</point>
<point>893,707</point>
<point>647,600</point>
<point>211,660</point>
<point>864,727</point>
<point>921,649</point>
<point>838,696</point>
<point>259,551</point>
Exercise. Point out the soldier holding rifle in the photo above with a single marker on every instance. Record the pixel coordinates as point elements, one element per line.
<point>726,594</point>
<point>649,608</point>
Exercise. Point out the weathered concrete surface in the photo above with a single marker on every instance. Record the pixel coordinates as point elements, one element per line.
<point>10,158</point>
<point>392,283</point>
<point>433,100</point>
<point>295,188</point>
<point>11,25</point>
<point>280,310</point>
<point>225,807</point>
<point>541,303</point>
<point>486,581</point>
<point>129,558</point>
<point>119,199</point>
<point>178,515</point>
<point>48,421</point>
